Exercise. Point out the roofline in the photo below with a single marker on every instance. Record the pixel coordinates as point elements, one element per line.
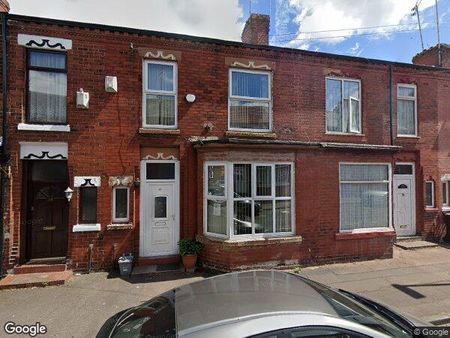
<point>192,38</point>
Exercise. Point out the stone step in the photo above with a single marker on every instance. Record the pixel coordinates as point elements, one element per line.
<point>413,245</point>
<point>408,238</point>
<point>29,280</point>
<point>39,268</point>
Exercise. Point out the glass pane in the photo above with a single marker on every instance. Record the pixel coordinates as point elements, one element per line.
<point>444,193</point>
<point>403,169</point>
<point>263,181</point>
<point>356,172</point>
<point>47,97</point>
<point>121,205</point>
<point>242,217</point>
<point>160,110</point>
<point>263,216</point>
<point>47,60</point>
<point>429,194</point>
<point>49,171</point>
<point>406,91</point>
<point>334,105</point>
<point>282,180</point>
<point>217,217</point>
<point>406,117</point>
<point>364,205</point>
<point>242,180</point>
<point>283,216</point>
<point>249,115</point>
<point>216,180</point>
<point>160,77</point>
<point>88,205</point>
<point>161,207</point>
<point>160,171</point>
<point>250,85</point>
<point>351,97</point>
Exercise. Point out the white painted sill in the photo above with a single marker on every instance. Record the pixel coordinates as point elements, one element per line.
<point>43,127</point>
<point>86,227</point>
<point>335,133</point>
<point>409,136</point>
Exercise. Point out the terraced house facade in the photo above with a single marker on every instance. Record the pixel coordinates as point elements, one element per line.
<point>123,140</point>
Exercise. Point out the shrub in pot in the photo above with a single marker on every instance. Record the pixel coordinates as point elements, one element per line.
<point>189,250</point>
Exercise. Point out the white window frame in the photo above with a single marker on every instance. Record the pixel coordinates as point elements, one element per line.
<point>408,98</point>
<point>445,204</point>
<point>389,182</point>
<point>352,131</point>
<point>118,219</point>
<point>433,203</point>
<point>229,193</point>
<point>146,90</point>
<point>232,97</point>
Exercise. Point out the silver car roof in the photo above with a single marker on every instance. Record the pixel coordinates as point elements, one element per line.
<point>244,294</point>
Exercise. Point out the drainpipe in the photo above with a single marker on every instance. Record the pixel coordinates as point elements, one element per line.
<point>3,152</point>
<point>391,107</point>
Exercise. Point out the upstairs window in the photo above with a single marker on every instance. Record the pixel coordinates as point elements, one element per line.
<point>47,87</point>
<point>343,106</point>
<point>160,94</point>
<point>406,110</point>
<point>250,102</point>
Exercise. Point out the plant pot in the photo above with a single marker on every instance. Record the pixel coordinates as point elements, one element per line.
<point>189,261</point>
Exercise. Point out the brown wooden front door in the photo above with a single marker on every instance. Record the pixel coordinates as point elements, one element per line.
<point>48,210</point>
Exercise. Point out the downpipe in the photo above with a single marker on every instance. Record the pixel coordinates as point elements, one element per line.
<point>90,251</point>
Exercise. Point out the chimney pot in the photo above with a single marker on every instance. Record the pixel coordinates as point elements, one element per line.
<point>4,6</point>
<point>256,30</point>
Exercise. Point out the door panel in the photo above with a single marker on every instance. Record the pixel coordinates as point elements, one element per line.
<point>404,209</point>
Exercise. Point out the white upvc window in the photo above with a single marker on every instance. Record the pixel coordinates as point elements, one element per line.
<point>429,194</point>
<point>121,204</point>
<point>343,106</point>
<point>445,202</point>
<point>406,110</point>
<point>159,95</point>
<point>258,201</point>
<point>250,100</point>
<point>365,196</point>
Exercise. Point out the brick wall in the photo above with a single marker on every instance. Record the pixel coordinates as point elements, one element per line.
<point>104,139</point>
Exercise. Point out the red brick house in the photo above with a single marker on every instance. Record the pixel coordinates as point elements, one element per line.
<point>267,155</point>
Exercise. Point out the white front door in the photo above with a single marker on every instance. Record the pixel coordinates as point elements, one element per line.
<point>159,209</point>
<point>404,205</point>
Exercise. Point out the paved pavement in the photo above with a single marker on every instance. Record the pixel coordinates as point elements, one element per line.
<point>414,281</point>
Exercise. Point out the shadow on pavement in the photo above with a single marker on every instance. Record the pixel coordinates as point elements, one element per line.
<point>154,277</point>
<point>408,289</point>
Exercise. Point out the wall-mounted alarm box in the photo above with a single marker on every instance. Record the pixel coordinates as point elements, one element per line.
<point>111,84</point>
<point>82,99</point>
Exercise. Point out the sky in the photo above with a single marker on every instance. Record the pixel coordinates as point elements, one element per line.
<point>379,29</point>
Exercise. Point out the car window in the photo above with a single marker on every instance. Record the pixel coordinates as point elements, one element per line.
<point>311,332</point>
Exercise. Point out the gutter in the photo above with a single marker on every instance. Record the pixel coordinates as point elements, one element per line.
<point>3,151</point>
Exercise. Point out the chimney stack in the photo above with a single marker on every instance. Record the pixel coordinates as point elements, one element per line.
<point>4,6</point>
<point>430,56</point>
<point>256,30</point>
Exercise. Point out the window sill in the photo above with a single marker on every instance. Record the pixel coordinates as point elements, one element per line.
<point>86,227</point>
<point>255,134</point>
<point>257,241</point>
<point>43,127</point>
<point>408,136</point>
<point>160,131</point>
<point>445,208</point>
<point>344,134</point>
<point>120,226</point>
<point>431,209</point>
<point>364,234</point>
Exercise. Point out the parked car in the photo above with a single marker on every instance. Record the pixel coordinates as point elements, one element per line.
<point>259,304</point>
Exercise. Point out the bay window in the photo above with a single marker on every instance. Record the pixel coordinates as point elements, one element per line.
<point>250,102</point>
<point>47,87</point>
<point>406,110</point>
<point>160,94</point>
<point>343,106</point>
<point>364,196</point>
<point>258,200</point>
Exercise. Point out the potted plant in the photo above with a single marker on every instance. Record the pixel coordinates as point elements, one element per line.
<point>189,249</point>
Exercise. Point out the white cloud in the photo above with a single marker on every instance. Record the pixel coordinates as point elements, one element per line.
<point>337,20</point>
<point>212,18</point>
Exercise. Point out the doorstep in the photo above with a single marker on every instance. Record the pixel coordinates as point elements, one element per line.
<point>415,244</point>
<point>40,279</point>
<point>146,269</point>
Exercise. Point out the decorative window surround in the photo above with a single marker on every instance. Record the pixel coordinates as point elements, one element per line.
<point>43,42</point>
<point>86,181</point>
<point>86,227</point>
<point>43,151</point>
<point>120,181</point>
<point>43,127</point>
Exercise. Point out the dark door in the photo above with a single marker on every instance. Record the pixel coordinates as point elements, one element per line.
<point>48,209</point>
